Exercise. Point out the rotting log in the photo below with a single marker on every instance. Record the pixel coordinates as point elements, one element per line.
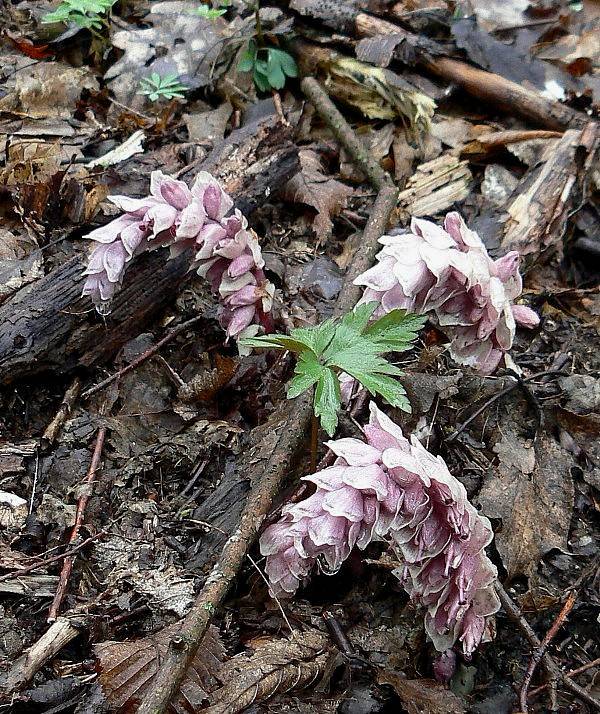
<point>407,46</point>
<point>549,192</point>
<point>49,326</point>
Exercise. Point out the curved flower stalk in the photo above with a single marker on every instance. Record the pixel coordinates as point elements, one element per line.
<point>387,487</point>
<point>448,271</point>
<point>227,253</point>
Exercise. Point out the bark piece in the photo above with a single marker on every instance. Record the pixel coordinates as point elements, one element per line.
<point>546,194</point>
<point>435,186</point>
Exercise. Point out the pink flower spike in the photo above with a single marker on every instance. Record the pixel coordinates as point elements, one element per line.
<point>448,273</point>
<point>174,216</point>
<point>423,513</point>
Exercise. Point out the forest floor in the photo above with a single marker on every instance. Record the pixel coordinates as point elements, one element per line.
<point>118,496</point>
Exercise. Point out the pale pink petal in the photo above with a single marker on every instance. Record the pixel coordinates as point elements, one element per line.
<point>114,261</point>
<point>240,265</point>
<point>525,316</point>
<point>355,452</point>
<point>174,193</point>
<point>242,317</point>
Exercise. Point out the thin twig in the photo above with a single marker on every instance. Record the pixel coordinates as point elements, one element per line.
<point>88,485</point>
<point>512,136</point>
<point>344,133</point>
<point>66,406</point>
<point>267,479</point>
<point>277,601</point>
<point>502,393</point>
<point>539,651</point>
<point>36,474</point>
<point>47,561</point>
<point>554,671</point>
<point>143,357</point>
<point>571,673</point>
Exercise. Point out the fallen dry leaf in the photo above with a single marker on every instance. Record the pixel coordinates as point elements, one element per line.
<point>532,493</point>
<point>422,696</point>
<point>47,89</point>
<point>128,668</point>
<point>276,666</point>
<point>313,187</point>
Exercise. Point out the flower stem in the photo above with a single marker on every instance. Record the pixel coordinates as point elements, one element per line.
<point>314,442</point>
<point>260,38</point>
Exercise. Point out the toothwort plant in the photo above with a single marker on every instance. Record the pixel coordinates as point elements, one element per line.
<point>448,272</point>
<point>200,218</point>
<point>386,487</point>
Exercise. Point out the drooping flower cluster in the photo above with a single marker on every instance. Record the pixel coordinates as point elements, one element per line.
<point>387,487</point>
<point>448,271</point>
<point>200,218</point>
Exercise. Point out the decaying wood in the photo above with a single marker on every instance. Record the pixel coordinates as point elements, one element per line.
<point>406,46</point>
<point>49,326</point>
<point>435,186</point>
<point>377,92</point>
<point>549,192</point>
<point>22,671</point>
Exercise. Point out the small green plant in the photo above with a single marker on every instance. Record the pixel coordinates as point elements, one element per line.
<point>350,345</point>
<point>88,14</point>
<point>157,87</point>
<point>211,13</point>
<point>269,66</point>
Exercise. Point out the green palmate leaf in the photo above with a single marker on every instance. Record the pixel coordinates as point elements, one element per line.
<point>328,400</point>
<point>208,12</point>
<point>395,330</point>
<point>85,13</point>
<point>275,73</point>
<point>307,372</point>
<point>348,331</point>
<point>286,62</point>
<point>269,66</point>
<point>316,338</point>
<point>390,389</point>
<point>353,345</point>
<point>361,360</point>
<point>167,87</point>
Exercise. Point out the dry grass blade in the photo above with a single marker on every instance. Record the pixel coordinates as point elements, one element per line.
<point>275,667</point>
<point>128,668</point>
